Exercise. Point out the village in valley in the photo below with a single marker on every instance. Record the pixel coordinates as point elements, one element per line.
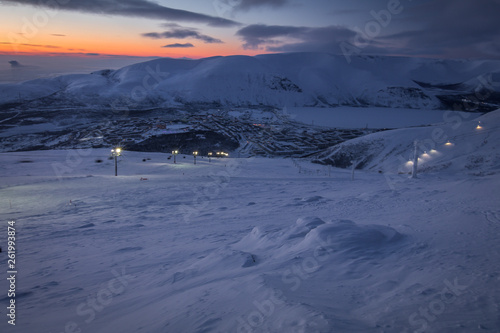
<point>241,131</point>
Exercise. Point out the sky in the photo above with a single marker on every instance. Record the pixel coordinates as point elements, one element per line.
<point>98,32</point>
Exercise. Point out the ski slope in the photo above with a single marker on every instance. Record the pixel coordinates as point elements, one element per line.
<point>247,245</point>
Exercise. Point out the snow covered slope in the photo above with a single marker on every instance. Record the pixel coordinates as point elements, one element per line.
<point>296,79</point>
<point>461,143</point>
<point>246,245</point>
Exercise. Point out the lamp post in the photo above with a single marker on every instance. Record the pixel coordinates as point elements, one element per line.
<point>195,153</point>
<point>414,168</point>
<point>175,152</point>
<point>115,153</point>
<point>209,156</point>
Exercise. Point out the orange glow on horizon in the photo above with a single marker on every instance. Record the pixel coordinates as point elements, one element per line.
<point>97,48</point>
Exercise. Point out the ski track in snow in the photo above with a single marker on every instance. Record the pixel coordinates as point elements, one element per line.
<point>267,249</point>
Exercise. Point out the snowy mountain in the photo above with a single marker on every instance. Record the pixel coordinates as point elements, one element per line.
<point>296,79</point>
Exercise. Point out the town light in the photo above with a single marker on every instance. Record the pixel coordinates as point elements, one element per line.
<point>479,126</point>
<point>195,153</point>
<point>175,152</point>
<point>209,156</point>
<point>115,153</point>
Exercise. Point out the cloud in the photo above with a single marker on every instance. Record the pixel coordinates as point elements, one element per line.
<point>182,33</point>
<point>443,29</point>
<point>459,29</point>
<point>250,4</point>
<point>178,45</point>
<point>277,38</point>
<point>32,45</point>
<point>246,4</point>
<point>15,64</point>
<point>130,8</point>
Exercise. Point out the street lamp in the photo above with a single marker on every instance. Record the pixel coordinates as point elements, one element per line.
<point>209,156</point>
<point>194,155</point>
<point>175,152</point>
<point>115,153</point>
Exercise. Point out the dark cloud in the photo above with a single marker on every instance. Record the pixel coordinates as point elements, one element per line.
<point>459,29</point>
<point>182,33</point>
<point>178,45</point>
<point>131,8</point>
<point>294,39</point>
<point>15,64</point>
<point>249,4</point>
<point>445,29</point>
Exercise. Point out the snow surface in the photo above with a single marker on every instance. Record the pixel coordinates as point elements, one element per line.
<point>250,245</point>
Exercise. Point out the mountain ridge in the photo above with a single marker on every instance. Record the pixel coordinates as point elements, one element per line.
<point>288,79</point>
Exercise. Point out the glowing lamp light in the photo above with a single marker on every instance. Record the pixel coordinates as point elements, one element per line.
<point>479,126</point>
<point>449,144</point>
<point>115,153</point>
<point>434,151</point>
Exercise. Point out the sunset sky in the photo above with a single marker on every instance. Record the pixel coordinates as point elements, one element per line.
<point>201,28</point>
